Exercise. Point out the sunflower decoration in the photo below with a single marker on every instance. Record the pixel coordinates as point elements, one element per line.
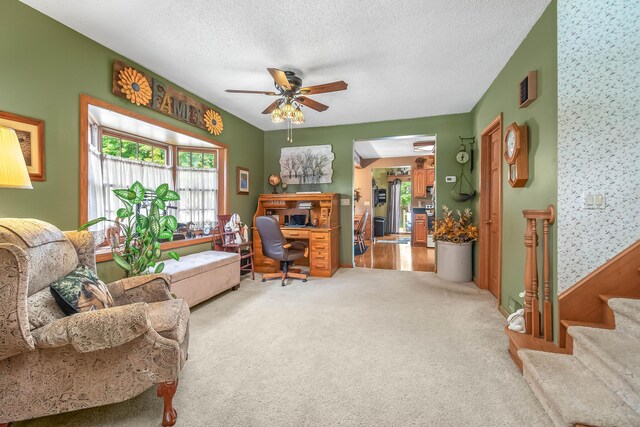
<point>213,122</point>
<point>135,86</point>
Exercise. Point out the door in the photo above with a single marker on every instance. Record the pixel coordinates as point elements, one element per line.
<point>490,240</point>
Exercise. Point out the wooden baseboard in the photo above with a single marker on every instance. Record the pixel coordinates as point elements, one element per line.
<point>620,276</point>
<point>503,311</point>
<point>346,265</point>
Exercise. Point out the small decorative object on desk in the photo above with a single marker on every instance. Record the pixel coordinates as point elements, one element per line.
<point>284,186</point>
<point>274,181</point>
<point>454,237</point>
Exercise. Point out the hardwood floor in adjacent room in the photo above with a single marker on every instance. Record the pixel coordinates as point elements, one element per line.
<point>396,256</point>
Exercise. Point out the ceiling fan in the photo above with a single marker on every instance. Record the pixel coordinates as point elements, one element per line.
<point>292,94</point>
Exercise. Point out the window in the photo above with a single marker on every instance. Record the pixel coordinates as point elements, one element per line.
<point>197,184</point>
<point>121,159</point>
<point>118,147</point>
<point>201,159</point>
<point>111,158</point>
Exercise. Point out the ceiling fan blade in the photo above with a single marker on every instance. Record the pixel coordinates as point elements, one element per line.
<point>280,78</point>
<point>314,105</point>
<point>251,91</point>
<point>324,88</point>
<point>275,104</point>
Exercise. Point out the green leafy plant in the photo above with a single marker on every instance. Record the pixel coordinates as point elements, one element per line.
<point>142,232</point>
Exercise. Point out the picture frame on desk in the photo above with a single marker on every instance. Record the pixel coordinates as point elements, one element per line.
<point>242,180</point>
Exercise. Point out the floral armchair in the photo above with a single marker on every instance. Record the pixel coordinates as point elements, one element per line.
<point>52,363</point>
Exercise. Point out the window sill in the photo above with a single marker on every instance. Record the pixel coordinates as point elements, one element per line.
<point>104,254</point>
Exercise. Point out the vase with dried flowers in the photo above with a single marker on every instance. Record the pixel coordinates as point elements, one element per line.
<point>454,235</point>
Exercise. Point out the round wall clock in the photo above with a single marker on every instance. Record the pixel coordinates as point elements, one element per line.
<point>516,154</point>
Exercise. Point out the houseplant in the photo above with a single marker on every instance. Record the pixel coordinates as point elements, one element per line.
<point>142,225</point>
<point>454,235</point>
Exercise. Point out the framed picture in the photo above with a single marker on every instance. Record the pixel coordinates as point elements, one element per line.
<point>242,180</point>
<point>31,137</point>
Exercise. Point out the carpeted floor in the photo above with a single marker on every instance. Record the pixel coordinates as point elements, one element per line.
<point>365,348</point>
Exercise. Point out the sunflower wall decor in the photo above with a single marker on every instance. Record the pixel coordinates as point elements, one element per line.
<point>213,122</point>
<point>151,92</point>
<point>135,86</point>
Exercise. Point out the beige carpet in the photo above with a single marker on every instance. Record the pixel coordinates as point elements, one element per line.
<point>365,348</point>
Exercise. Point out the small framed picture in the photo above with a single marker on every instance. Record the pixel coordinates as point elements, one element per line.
<point>242,180</point>
<point>31,138</point>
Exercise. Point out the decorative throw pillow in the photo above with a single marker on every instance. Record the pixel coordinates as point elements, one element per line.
<point>81,290</point>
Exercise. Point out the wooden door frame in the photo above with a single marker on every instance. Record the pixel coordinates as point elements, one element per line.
<point>483,239</point>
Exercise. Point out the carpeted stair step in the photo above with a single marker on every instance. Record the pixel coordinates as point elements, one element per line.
<point>612,356</point>
<point>572,394</point>
<point>627,315</point>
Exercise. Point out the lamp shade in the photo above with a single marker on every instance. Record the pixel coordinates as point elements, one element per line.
<point>13,169</point>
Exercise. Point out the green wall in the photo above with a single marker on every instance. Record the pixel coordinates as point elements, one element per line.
<point>52,65</point>
<point>537,52</point>
<point>446,128</point>
<point>46,67</point>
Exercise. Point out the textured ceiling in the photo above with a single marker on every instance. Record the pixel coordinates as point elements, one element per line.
<point>401,59</point>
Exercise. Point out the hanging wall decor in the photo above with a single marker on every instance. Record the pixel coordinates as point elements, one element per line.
<point>30,133</point>
<point>306,165</point>
<point>135,86</point>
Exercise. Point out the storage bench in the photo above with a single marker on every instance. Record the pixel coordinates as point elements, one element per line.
<point>198,277</point>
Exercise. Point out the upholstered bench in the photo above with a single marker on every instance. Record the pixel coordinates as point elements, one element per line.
<point>198,277</point>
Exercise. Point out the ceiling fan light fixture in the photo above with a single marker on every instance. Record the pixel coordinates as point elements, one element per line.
<point>288,110</point>
<point>277,116</point>
<point>298,117</point>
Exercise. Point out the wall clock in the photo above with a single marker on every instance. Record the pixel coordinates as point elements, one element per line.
<point>516,153</point>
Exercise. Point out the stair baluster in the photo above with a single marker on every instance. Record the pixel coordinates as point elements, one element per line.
<point>532,302</point>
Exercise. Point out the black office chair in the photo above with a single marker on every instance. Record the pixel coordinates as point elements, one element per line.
<point>275,246</point>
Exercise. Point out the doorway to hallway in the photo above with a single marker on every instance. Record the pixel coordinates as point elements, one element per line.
<point>389,176</point>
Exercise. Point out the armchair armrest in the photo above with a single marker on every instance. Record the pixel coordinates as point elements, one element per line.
<point>84,244</point>
<point>297,244</point>
<point>151,288</point>
<point>15,337</point>
<point>96,330</point>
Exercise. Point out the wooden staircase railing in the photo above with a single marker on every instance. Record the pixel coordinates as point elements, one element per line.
<point>532,315</point>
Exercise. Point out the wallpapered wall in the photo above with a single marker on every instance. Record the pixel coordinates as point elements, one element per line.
<point>598,132</point>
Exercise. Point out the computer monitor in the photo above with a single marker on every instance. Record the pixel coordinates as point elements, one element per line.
<point>297,220</point>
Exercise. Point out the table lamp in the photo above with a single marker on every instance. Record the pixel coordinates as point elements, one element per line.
<point>13,169</point>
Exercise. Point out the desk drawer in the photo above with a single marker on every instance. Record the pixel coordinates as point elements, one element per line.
<point>296,234</point>
<point>320,237</point>
<point>319,246</point>
<point>319,265</point>
<point>319,257</point>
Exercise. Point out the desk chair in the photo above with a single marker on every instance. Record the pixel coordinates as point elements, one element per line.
<point>275,246</point>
